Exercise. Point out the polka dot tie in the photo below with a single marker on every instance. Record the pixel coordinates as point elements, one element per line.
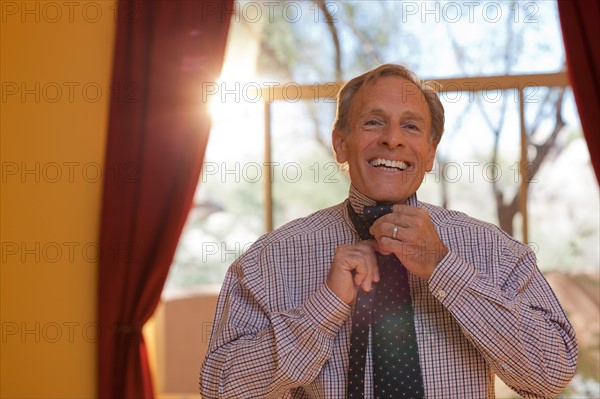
<point>387,311</point>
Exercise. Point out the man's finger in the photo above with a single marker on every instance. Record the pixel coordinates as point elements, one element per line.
<point>365,272</point>
<point>406,209</point>
<point>391,230</point>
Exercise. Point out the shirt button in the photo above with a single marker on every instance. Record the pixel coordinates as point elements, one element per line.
<point>442,294</point>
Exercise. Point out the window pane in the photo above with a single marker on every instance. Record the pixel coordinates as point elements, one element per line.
<point>228,212</point>
<point>306,176</point>
<point>472,173</point>
<point>563,197</point>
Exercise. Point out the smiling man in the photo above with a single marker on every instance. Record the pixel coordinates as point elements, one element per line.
<point>384,296</point>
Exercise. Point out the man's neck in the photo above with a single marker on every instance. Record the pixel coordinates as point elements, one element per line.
<point>359,200</point>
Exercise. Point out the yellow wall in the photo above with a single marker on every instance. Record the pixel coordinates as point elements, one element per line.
<point>56,63</point>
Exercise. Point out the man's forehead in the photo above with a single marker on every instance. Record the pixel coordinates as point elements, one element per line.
<point>392,85</point>
<point>387,91</point>
<point>392,88</point>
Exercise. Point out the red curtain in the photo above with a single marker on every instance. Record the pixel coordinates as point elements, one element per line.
<point>580,21</point>
<point>158,129</point>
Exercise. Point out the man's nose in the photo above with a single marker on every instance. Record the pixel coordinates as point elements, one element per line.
<point>392,136</point>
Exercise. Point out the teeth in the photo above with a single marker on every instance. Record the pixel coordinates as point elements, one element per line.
<point>389,163</point>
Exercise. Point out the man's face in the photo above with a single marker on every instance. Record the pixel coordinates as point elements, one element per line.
<point>388,149</point>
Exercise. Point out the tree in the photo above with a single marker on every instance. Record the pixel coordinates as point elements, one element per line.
<point>356,34</point>
<point>551,105</point>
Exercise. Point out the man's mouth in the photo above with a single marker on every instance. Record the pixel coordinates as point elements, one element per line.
<point>389,164</point>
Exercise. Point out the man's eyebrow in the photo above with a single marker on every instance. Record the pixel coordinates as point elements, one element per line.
<point>413,115</point>
<point>372,111</point>
<point>407,114</point>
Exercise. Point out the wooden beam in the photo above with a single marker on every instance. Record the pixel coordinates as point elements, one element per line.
<point>268,177</point>
<point>523,169</point>
<point>293,92</point>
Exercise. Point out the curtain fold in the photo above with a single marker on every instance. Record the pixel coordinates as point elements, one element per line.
<point>158,130</point>
<point>580,23</point>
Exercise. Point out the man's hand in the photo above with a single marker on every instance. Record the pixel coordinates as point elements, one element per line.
<point>353,266</point>
<point>416,242</point>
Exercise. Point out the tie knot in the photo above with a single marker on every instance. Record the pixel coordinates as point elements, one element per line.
<point>372,213</point>
<point>363,223</point>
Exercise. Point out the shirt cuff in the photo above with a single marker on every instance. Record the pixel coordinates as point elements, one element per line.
<point>449,279</point>
<point>327,310</point>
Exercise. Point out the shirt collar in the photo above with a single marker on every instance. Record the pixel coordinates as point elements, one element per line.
<point>358,200</point>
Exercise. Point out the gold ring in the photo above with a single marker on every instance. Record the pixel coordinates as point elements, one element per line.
<point>395,232</point>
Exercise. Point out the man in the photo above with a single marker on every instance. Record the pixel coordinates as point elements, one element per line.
<point>425,302</point>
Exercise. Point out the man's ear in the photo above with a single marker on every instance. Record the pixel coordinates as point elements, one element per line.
<point>338,139</point>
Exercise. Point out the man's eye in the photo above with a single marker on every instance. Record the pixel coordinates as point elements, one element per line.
<point>372,123</point>
<point>411,126</point>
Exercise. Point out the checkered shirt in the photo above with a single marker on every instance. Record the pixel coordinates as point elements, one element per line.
<point>280,332</point>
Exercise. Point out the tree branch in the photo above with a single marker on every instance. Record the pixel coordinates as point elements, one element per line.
<point>334,36</point>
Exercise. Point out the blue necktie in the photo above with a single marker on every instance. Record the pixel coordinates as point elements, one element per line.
<point>387,310</point>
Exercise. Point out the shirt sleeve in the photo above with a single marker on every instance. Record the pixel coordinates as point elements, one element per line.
<point>262,347</point>
<point>509,312</point>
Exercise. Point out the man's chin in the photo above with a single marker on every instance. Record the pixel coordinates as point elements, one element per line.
<point>385,189</point>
